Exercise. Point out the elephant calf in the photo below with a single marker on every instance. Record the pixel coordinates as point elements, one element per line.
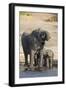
<point>48,58</point>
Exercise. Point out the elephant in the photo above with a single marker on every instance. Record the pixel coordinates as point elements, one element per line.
<point>48,58</point>
<point>33,42</point>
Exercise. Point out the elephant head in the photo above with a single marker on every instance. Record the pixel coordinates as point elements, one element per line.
<point>41,36</point>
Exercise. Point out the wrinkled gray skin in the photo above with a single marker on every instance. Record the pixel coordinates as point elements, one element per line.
<point>33,42</point>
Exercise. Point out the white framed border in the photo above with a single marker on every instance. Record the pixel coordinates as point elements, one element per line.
<point>38,79</point>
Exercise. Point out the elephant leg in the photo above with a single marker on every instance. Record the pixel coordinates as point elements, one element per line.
<point>51,62</point>
<point>47,62</point>
<point>26,59</point>
<point>35,62</point>
<point>32,59</point>
<point>41,58</point>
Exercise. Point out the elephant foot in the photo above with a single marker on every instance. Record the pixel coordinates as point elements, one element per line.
<point>26,69</point>
<point>50,67</point>
<point>32,68</point>
<point>37,68</point>
<point>42,68</point>
<point>26,65</point>
<point>35,64</point>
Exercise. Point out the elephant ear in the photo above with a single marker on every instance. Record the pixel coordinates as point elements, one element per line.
<point>44,36</point>
<point>36,33</point>
<point>34,43</point>
<point>47,35</point>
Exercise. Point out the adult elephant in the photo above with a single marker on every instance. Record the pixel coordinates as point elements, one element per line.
<point>33,42</point>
